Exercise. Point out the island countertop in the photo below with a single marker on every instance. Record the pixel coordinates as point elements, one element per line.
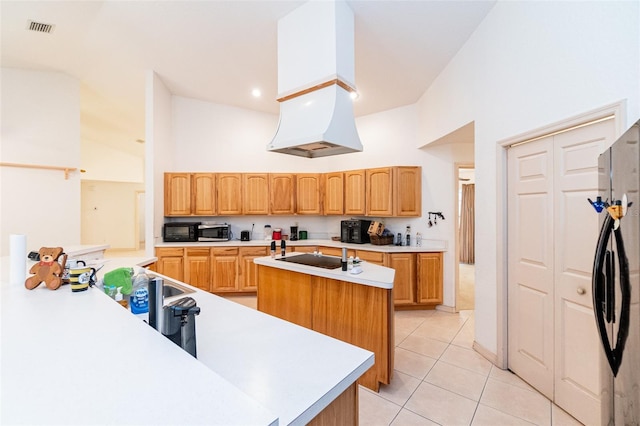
<point>80,358</point>
<point>371,275</point>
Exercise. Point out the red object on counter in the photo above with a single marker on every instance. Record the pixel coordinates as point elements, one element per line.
<point>277,234</point>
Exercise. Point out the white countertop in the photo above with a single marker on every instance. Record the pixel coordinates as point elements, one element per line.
<point>372,275</point>
<point>428,246</point>
<point>80,358</point>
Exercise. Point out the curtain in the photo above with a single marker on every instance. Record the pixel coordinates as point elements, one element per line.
<point>467,228</point>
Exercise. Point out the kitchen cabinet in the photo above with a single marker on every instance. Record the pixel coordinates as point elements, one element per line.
<point>197,267</point>
<point>394,191</point>
<point>224,269</point>
<point>418,280</point>
<point>333,199</point>
<point>308,193</point>
<point>177,194</point>
<point>335,251</point>
<point>355,192</point>
<point>255,193</point>
<point>229,194</point>
<point>282,187</point>
<point>304,249</point>
<point>407,191</point>
<point>404,284</point>
<point>189,194</point>
<point>248,276</point>
<point>171,262</point>
<point>429,278</point>
<point>204,194</point>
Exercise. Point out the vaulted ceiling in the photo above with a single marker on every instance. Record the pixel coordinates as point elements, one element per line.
<point>219,51</point>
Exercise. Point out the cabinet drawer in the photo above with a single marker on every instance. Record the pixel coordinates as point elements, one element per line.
<point>254,251</point>
<point>371,256</point>
<point>169,251</point>
<point>304,249</point>
<point>224,251</point>
<point>198,251</point>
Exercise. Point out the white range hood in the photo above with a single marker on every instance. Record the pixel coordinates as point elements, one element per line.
<point>315,80</point>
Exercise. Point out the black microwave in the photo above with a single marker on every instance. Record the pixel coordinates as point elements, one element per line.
<point>214,232</point>
<point>178,232</point>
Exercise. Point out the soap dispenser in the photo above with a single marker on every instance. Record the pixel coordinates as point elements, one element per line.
<point>119,298</point>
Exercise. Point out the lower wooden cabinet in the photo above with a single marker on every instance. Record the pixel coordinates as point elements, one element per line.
<point>417,283</point>
<point>171,262</point>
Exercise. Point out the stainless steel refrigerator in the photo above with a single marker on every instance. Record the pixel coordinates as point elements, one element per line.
<point>616,279</point>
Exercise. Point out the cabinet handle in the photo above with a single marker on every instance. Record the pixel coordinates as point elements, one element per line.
<point>581,291</point>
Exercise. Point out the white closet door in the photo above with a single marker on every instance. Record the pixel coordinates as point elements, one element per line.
<point>530,253</point>
<point>577,347</point>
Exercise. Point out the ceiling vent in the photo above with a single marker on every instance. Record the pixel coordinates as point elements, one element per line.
<point>40,27</point>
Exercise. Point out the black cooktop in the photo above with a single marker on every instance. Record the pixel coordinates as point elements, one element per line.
<point>326,262</point>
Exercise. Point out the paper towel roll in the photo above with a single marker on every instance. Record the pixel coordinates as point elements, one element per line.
<point>18,253</point>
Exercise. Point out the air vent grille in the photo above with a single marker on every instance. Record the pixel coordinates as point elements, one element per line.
<point>39,27</point>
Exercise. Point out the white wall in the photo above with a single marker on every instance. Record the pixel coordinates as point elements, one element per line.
<point>103,162</point>
<point>40,125</point>
<point>109,213</point>
<point>218,138</point>
<point>159,155</point>
<point>527,65</point>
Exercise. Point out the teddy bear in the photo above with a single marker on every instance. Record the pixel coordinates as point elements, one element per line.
<point>47,269</point>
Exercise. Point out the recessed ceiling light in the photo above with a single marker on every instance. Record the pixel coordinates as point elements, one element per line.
<point>354,95</point>
<point>256,93</point>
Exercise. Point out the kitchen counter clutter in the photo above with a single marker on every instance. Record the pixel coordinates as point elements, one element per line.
<point>81,358</point>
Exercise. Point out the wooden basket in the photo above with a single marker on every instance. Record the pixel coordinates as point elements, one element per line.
<point>381,241</point>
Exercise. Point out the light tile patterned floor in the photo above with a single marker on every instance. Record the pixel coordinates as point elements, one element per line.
<point>440,380</point>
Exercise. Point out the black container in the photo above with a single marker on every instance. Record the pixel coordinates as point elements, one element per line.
<point>179,323</point>
<point>355,231</point>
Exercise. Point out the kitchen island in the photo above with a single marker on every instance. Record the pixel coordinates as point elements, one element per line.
<point>81,358</point>
<point>354,308</point>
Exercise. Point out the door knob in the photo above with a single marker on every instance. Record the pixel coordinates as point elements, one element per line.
<point>581,290</point>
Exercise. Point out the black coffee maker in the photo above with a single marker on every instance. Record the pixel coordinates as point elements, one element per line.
<point>293,235</point>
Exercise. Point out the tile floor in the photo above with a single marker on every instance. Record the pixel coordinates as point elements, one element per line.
<point>440,380</point>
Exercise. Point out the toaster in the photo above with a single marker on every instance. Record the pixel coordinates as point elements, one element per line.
<point>245,236</point>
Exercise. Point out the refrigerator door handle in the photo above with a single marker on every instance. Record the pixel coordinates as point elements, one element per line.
<point>625,305</point>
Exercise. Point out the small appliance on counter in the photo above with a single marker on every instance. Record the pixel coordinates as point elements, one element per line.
<point>355,231</point>
<point>214,232</point>
<point>294,233</point>
<point>246,235</point>
<point>179,323</point>
<point>178,232</point>
<point>277,234</point>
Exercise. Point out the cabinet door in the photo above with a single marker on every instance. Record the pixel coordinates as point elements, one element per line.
<point>308,193</point>
<point>224,269</point>
<point>197,271</point>
<point>171,262</point>
<point>255,193</point>
<point>333,200</point>
<point>204,197</point>
<point>229,193</point>
<point>429,283</point>
<point>335,251</point>
<point>407,191</point>
<point>354,192</point>
<point>379,189</point>
<point>177,194</point>
<point>281,186</point>
<point>248,279</point>
<point>304,249</point>
<point>404,283</point>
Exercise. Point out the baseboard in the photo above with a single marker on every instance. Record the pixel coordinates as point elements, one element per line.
<point>490,356</point>
<point>445,308</point>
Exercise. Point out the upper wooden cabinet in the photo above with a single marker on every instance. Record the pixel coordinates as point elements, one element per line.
<point>282,187</point>
<point>407,191</point>
<point>394,191</point>
<point>255,193</point>
<point>385,191</point>
<point>177,194</point>
<point>229,193</point>
<point>379,185</point>
<point>309,193</point>
<point>204,194</point>
<point>355,192</point>
<point>333,200</point>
